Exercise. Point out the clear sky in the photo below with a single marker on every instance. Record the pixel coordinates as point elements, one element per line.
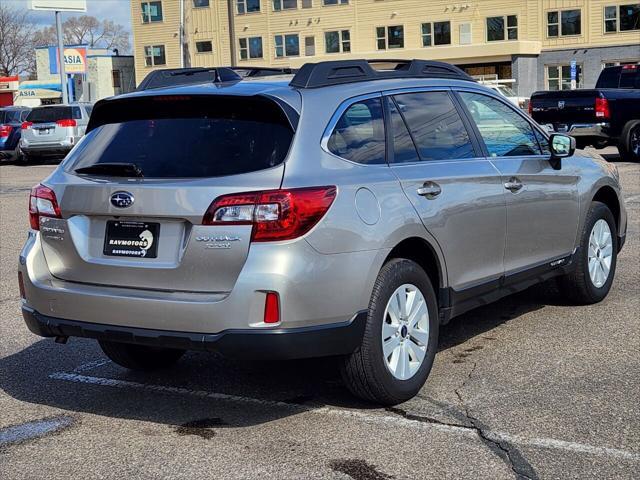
<point>117,10</point>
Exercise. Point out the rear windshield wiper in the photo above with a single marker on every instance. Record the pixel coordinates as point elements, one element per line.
<point>114,169</point>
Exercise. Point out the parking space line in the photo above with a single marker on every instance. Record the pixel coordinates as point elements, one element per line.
<point>85,367</point>
<point>546,443</point>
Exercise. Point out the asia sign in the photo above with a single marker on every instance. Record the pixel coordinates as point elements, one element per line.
<point>75,60</point>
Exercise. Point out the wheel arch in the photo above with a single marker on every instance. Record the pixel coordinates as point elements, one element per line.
<point>607,195</point>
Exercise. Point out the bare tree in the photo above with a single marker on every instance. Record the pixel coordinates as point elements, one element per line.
<point>16,41</point>
<point>87,30</point>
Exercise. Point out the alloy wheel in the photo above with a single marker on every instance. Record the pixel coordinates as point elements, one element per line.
<point>600,253</point>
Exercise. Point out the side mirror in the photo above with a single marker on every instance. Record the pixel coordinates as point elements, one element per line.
<point>562,146</point>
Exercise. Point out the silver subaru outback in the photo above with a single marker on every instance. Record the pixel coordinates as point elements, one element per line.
<point>346,211</point>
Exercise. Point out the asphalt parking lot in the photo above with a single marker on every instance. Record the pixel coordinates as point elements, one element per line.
<point>529,387</point>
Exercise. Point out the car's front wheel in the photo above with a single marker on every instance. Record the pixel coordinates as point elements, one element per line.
<point>140,357</point>
<point>595,265</point>
<point>400,338</point>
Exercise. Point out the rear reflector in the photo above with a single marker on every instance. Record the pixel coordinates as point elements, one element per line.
<point>66,122</point>
<point>26,125</point>
<point>602,108</point>
<point>21,286</point>
<point>42,203</point>
<point>275,214</point>
<point>5,130</point>
<point>272,308</point>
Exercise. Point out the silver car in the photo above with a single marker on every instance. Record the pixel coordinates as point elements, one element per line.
<point>53,130</point>
<point>346,211</point>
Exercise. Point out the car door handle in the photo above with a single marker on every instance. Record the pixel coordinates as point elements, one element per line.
<point>429,190</point>
<point>513,185</point>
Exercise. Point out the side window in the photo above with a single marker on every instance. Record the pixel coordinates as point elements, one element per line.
<point>359,134</point>
<point>75,113</point>
<point>544,143</point>
<point>404,151</point>
<point>504,131</point>
<point>89,109</point>
<point>435,125</point>
<point>25,114</point>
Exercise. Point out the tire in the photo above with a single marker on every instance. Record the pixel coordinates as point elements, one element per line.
<point>24,159</point>
<point>366,372</point>
<point>629,146</point>
<point>578,285</point>
<point>140,357</point>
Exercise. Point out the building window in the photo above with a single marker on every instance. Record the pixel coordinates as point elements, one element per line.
<point>284,4</point>
<point>204,46</point>
<point>309,46</point>
<point>287,45</point>
<point>200,3</point>
<point>626,16</point>
<point>501,28</point>
<point>390,37</point>
<point>307,3</point>
<point>564,23</point>
<point>250,48</point>
<point>335,2</point>
<point>151,12</point>
<point>465,34</point>
<point>154,55</point>
<point>116,76</point>
<point>437,33</point>
<point>247,6</point>
<point>337,42</point>
<point>559,77</point>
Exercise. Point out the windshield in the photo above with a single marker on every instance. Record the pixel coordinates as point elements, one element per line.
<point>49,114</point>
<point>200,138</point>
<point>506,91</point>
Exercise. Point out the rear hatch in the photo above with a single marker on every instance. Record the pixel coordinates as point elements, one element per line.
<point>49,125</point>
<point>564,107</point>
<point>134,191</point>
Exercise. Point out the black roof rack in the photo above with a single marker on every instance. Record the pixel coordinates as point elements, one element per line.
<point>324,74</point>
<point>173,77</point>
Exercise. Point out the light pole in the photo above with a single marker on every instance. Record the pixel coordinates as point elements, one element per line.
<point>63,75</point>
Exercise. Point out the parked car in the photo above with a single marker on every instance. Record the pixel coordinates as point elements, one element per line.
<point>53,130</point>
<point>606,115</point>
<point>503,87</point>
<point>346,211</point>
<point>11,119</point>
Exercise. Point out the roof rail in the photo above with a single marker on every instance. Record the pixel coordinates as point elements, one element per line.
<point>248,72</point>
<point>324,74</point>
<point>173,77</point>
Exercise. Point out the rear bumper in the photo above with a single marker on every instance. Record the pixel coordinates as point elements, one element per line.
<point>48,149</point>
<point>282,343</point>
<point>597,131</point>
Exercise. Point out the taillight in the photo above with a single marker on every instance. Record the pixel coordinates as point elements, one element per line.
<point>629,67</point>
<point>42,203</point>
<point>275,214</point>
<point>272,308</point>
<point>5,130</point>
<point>530,108</point>
<point>602,108</point>
<point>66,122</point>
<point>26,125</point>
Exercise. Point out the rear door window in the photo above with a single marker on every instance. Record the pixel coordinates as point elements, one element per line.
<point>435,125</point>
<point>359,134</point>
<point>174,137</point>
<point>504,131</point>
<point>49,114</point>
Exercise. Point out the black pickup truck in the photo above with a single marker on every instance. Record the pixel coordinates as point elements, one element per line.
<point>606,115</point>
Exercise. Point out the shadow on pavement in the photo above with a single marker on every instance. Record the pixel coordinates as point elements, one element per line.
<point>25,376</point>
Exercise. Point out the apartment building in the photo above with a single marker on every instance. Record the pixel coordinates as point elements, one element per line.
<point>540,44</point>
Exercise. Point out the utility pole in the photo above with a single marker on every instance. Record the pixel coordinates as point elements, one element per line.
<point>63,75</point>
<point>181,34</point>
<point>232,33</point>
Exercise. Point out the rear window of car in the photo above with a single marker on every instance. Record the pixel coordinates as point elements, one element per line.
<point>9,116</point>
<point>49,114</point>
<point>181,136</point>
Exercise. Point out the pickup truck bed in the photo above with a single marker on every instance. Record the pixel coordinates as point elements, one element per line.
<point>606,115</point>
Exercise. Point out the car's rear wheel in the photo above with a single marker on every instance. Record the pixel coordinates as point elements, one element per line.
<point>630,143</point>
<point>140,357</point>
<point>595,267</point>
<point>400,338</point>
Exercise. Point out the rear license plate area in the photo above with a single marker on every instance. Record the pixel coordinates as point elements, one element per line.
<point>131,239</point>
